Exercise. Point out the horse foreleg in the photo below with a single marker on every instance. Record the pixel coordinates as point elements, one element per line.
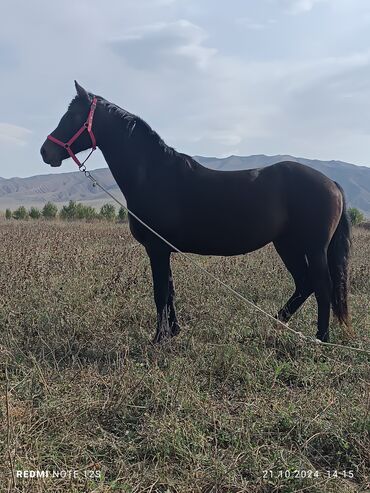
<point>174,325</point>
<point>160,264</point>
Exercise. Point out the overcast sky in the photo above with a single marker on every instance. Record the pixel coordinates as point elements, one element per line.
<point>212,78</point>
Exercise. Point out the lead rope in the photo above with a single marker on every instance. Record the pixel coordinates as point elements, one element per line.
<point>212,276</point>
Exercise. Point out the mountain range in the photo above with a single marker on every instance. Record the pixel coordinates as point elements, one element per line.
<point>62,187</point>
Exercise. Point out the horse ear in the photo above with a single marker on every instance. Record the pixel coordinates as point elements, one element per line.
<point>81,92</point>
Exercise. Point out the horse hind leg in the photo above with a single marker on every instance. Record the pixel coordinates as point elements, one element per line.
<point>321,280</point>
<point>296,263</point>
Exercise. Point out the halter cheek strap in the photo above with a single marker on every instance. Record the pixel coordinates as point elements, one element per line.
<point>86,126</point>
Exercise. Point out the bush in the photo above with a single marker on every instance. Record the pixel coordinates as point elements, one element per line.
<point>68,212</point>
<point>355,216</point>
<point>85,212</point>
<point>108,212</point>
<point>34,213</point>
<point>90,213</point>
<point>122,214</point>
<point>8,214</point>
<point>20,213</point>
<point>77,211</point>
<point>49,210</point>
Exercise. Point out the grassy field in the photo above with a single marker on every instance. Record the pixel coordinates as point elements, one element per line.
<point>233,404</point>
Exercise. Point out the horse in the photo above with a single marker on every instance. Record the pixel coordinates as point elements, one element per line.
<point>208,212</point>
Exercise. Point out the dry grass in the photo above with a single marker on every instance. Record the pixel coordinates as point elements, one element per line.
<point>209,411</point>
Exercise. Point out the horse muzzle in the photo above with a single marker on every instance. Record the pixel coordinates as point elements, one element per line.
<point>53,161</point>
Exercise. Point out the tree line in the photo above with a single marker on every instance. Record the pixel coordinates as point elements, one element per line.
<point>72,211</point>
<point>77,211</point>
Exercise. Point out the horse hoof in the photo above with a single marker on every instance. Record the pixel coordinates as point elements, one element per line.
<point>175,329</point>
<point>161,336</point>
<point>323,337</point>
<point>156,339</point>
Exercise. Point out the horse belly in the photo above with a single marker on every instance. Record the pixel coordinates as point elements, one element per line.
<point>235,236</point>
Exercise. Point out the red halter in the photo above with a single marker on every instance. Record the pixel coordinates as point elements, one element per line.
<point>86,126</point>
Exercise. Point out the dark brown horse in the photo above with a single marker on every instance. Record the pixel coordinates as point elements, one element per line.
<point>217,212</point>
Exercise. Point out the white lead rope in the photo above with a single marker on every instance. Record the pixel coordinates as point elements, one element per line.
<point>215,278</point>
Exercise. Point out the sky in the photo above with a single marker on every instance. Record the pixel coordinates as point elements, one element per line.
<point>212,78</point>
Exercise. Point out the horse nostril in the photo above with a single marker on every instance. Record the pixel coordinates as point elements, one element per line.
<point>42,150</point>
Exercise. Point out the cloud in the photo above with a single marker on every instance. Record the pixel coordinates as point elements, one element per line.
<point>338,93</point>
<point>13,134</point>
<point>301,6</point>
<point>165,45</point>
<point>249,23</point>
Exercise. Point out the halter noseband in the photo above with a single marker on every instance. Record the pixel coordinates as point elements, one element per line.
<point>86,126</point>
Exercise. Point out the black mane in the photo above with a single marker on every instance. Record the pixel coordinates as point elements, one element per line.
<point>137,124</point>
<point>134,123</point>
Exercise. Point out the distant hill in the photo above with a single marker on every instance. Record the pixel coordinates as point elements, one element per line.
<point>59,188</point>
<point>62,187</point>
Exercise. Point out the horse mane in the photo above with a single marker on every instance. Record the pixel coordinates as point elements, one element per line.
<point>135,123</point>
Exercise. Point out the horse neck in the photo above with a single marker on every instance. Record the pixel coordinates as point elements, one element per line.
<point>122,156</point>
<point>135,166</point>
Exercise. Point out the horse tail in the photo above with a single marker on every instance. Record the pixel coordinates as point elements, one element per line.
<point>338,259</point>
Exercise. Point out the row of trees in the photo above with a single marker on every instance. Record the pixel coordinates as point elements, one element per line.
<point>74,211</point>
<point>70,212</point>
